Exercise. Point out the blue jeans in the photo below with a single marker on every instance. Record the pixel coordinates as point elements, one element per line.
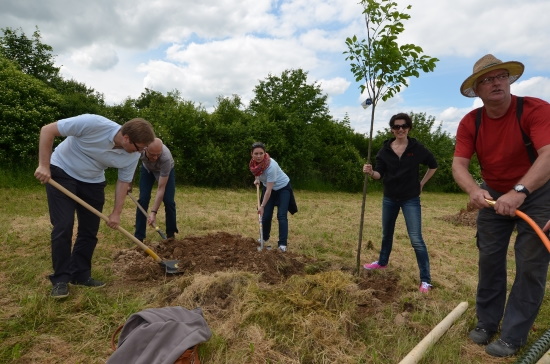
<point>494,231</point>
<point>281,199</point>
<point>73,263</point>
<point>413,218</point>
<point>146,181</point>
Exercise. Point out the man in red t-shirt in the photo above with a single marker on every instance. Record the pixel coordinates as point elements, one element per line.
<point>513,180</point>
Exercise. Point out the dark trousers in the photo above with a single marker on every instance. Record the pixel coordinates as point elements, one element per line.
<point>73,263</point>
<point>493,237</point>
<point>146,181</point>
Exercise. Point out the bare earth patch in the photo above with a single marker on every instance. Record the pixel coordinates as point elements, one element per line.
<point>209,254</point>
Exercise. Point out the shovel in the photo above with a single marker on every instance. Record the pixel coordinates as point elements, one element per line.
<point>261,247</point>
<point>532,223</point>
<point>158,230</point>
<point>170,266</point>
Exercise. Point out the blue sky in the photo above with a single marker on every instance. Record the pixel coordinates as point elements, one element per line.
<point>206,49</point>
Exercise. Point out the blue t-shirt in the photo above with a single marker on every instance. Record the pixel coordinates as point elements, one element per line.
<point>275,174</point>
<point>88,149</point>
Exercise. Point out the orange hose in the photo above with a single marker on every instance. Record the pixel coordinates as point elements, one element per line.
<point>532,223</point>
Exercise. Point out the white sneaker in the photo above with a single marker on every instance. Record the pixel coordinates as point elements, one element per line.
<point>425,287</point>
<point>282,248</point>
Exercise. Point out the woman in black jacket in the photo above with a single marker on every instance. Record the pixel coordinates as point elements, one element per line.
<point>397,164</point>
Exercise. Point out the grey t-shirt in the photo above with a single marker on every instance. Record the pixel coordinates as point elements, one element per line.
<point>162,166</point>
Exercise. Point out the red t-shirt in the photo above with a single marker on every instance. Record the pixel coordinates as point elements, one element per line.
<point>500,147</point>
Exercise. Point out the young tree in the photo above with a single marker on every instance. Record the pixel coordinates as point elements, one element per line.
<point>383,65</point>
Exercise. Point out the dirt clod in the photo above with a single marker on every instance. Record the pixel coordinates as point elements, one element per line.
<point>465,217</point>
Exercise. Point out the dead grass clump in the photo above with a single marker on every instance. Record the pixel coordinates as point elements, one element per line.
<point>465,217</point>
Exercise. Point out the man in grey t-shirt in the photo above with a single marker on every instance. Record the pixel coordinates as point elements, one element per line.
<point>157,165</point>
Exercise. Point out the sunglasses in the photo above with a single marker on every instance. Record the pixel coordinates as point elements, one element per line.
<point>397,127</point>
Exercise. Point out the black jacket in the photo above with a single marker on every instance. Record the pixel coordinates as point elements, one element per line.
<point>400,175</point>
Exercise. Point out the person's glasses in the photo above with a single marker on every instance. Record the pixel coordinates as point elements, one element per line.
<point>397,127</point>
<point>152,154</point>
<point>138,148</point>
<point>489,80</point>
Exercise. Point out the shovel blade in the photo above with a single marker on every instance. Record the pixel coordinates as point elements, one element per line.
<point>263,246</point>
<point>171,266</point>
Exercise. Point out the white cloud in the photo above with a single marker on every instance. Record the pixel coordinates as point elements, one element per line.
<point>534,86</point>
<point>96,57</point>
<point>223,68</point>
<point>334,86</point>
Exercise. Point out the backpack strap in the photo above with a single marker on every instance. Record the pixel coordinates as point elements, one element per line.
<point>479,114</point>
<point>526,140</point>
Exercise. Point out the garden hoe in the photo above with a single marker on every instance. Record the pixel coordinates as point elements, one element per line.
<point>532,223</point>
<point>261,240</point>
<point>158,230</point>
<point>170,266</point>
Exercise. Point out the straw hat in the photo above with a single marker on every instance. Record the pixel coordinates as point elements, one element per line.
<point>489,63</point>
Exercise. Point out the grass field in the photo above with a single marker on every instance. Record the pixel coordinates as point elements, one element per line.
<point>308,319</point>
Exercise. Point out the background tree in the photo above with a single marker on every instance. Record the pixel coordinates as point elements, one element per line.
<point>292,117</point>
<point>77,98</point>
<point>383,64</point>
<point>31,55</point>
<point>211,148</point>
<point>26,104</point>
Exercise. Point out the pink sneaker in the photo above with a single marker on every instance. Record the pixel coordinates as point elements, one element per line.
<point>374,265</point>
<point>425,287</point>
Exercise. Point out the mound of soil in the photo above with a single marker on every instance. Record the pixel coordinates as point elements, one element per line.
<point>465,217</point>
<point>226,252</point>
<point>208,254</point>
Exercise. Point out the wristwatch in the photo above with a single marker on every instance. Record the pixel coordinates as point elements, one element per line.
<point>522,189</point>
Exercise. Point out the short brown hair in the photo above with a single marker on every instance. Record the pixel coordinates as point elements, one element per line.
<point>139,131</point>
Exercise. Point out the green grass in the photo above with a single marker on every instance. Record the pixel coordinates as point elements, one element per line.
<point>323,317</point>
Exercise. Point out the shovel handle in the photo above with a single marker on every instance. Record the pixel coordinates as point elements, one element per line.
<point>104,217</point>
<point>531,223</point>
<point>258,195</point>
<point>157,229</point>
<point>138,205</point>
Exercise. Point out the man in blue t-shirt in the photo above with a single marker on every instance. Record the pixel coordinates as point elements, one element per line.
<point>92,144</point>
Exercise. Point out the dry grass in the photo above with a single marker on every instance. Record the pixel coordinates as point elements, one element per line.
<point>323,317</point>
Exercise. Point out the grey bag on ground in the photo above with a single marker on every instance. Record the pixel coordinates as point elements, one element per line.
<point>160,335</point>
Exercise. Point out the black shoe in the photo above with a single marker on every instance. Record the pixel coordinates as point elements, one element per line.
<point>60,290</point>
<point>501,348</point>
<point>89,283</point>
<point>481,336</point>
